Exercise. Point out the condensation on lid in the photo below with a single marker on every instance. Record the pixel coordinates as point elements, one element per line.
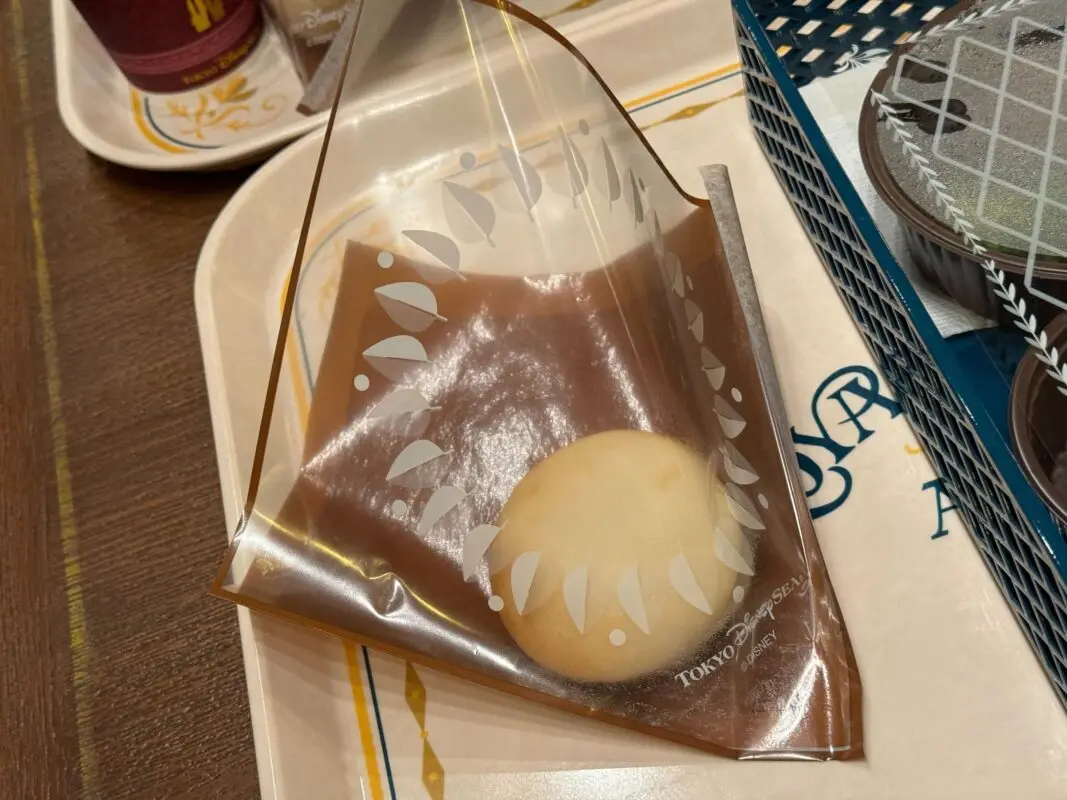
<point>980,101</point>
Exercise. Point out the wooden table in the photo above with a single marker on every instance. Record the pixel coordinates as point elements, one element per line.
<point>119,676</point>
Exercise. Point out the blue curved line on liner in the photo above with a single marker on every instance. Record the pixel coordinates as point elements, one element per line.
<point>151,121</point>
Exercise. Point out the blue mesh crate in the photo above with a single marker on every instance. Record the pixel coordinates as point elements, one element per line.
<point>812,36</point>
<point>952,390</point>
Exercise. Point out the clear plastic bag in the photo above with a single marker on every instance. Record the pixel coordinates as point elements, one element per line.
<point>537,441</point>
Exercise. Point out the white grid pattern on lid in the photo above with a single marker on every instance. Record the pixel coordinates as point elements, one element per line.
<point>1014,544</point>
<point>1036,239</point>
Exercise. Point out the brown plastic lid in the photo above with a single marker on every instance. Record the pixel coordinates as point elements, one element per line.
<point>1039,426</point>
<point>959,127</point>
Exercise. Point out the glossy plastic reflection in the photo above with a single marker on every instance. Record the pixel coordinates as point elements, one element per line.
<point>518,429</point>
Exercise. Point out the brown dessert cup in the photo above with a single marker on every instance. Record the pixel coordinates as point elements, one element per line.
<point>1039,424</point>
<point>941,255</point>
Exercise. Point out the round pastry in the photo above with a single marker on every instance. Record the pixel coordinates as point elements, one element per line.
<point>617,557</point>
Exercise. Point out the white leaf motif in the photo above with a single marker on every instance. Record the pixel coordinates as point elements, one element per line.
<point>405,402</point>
<point>742,509</point>
<point>522,575</point>
<point>685,583</point>
<point>394,356</point>
<point>607,178</point>
<point>410,305</point>
<point>629,594</point>
<point>575,587</point>
<point>415,455</point>
<point>729,554</point>
<point>525,178</point>
<point>695,317</point>
<point>440,503</point>
<point>714,369</point>
<point>474,548</point>
<point>657,236</point>
<point>675,276</point>
<point>469,215</point>
<point>737,467</point>
<point>576,168</point>
<point>633,197</point>
<point>731,421</point>
<point>440,247</point>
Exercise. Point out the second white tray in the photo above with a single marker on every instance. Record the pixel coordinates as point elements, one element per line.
<point>220,125</point>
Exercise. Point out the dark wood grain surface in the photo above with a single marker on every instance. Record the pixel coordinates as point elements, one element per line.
<point>119,676</point>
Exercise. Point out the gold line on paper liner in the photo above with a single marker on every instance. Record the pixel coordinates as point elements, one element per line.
<point>433,772</point>
<point>694,110</point>
<point>577,5</point>
<point>366,736</point>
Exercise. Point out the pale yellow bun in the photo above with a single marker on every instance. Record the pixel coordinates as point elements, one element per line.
<point>640,522</point>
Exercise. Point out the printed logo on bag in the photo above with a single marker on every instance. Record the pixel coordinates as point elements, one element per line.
<point>745,632</point>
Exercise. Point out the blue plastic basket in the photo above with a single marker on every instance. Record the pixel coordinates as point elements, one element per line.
<point>953,390</point>
<point>811,36</point>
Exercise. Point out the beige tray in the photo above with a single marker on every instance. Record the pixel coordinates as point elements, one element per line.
<point>956,706</point>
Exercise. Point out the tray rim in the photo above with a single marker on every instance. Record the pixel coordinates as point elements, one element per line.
<point>222,440</point>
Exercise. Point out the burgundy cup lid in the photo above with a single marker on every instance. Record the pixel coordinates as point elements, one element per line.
<point>970,123</point>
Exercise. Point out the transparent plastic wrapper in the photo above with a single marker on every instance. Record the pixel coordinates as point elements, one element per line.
<point>539,442</point>
<point>964,140</point>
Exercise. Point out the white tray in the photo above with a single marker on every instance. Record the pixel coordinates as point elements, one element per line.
<point>956,706</point>
<point>119,123</point>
